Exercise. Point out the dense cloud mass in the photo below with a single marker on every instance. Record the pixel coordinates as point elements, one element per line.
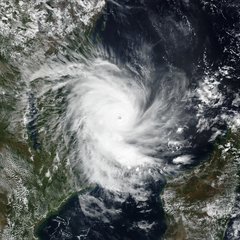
<point>130,108</point>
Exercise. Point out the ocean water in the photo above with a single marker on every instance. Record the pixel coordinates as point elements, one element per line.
<point>146,103</point>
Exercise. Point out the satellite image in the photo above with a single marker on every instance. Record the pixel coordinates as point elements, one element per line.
<point>119,120</point>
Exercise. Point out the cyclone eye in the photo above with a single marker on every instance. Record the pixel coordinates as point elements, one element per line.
<point>122,125</point>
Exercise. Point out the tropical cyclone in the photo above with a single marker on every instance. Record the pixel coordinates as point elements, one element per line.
<point>119,124</point>
<point>119,120</point>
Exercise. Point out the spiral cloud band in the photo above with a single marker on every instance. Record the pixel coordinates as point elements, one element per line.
<point>120,123</point>
<point>123,124</point>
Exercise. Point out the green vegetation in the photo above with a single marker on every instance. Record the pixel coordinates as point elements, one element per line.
<point>33,182</point>
<point>204,196</point>
<point>4,210</point>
